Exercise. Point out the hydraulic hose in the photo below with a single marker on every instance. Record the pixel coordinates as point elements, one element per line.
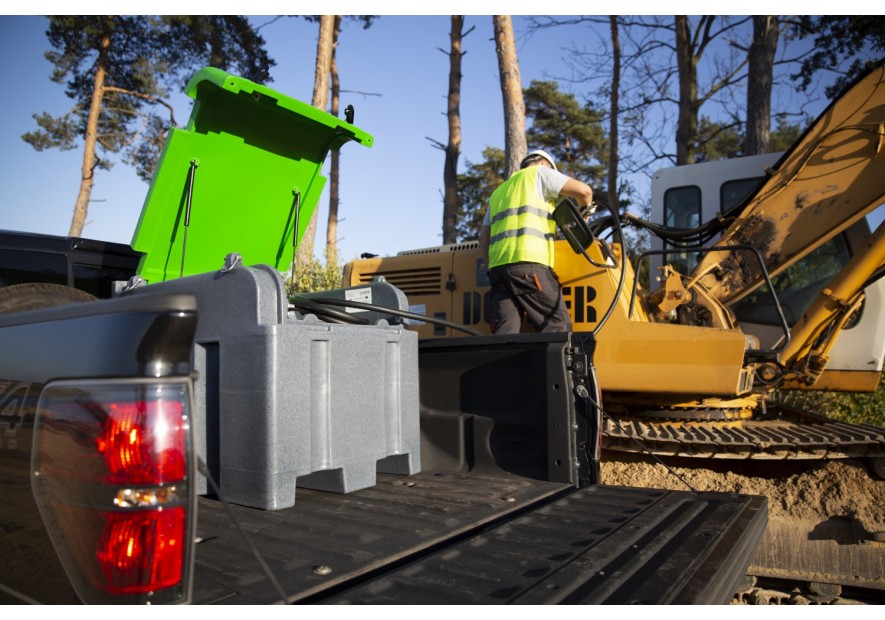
<point>615,222</point>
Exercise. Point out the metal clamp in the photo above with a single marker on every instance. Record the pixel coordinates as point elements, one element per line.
<point>231,262</point>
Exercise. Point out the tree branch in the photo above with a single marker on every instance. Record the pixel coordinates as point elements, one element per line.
<point>123,91</point>
<point>436,143</point>
<point>363,93</point>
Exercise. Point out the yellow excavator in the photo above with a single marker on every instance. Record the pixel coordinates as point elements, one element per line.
<point>758,300</point>
<point>679,354</point>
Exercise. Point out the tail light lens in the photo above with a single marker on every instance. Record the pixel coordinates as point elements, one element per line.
<point>141,551</point>
<point>111,475</point>
<point>143,442</point>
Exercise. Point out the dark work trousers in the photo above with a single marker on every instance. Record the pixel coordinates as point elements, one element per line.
<point>529,290</point>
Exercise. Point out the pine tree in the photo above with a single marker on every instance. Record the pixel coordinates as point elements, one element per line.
<point>117,70</point>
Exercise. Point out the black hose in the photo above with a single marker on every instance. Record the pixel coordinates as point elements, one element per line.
<point>681,236</point>
<point>614,221</point>
<point>321,301</point>
<point>330,315</point>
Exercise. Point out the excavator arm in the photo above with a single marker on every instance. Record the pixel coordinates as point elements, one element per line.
<point>829,179</point>
<point>814,334</point>
<point>827,182</point>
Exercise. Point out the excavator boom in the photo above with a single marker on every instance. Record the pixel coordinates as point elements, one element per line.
<point>830,179</point>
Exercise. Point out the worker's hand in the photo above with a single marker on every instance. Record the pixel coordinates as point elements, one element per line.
<point>578,190</point>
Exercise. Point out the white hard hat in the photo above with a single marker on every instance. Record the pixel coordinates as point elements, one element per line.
<point>535,155</point>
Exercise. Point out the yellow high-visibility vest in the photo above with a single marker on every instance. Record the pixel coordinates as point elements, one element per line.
<point>521,223</point>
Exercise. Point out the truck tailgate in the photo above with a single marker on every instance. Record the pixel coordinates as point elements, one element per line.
<point>481,538</point>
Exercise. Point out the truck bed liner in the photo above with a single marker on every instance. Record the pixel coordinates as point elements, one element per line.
<point>508,539</point>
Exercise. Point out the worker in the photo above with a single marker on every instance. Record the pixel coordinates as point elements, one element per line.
<point>517,240</point>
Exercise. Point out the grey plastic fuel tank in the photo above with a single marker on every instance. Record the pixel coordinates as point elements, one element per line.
<point>285,400</point>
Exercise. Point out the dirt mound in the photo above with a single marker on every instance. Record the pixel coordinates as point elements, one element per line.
<point>812,491</point>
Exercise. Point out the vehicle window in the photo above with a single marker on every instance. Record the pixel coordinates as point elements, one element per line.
<point>733,192</point>
<point>21,266</point>
<point>98,280</point>
<point>797,287</point>
<point>682,209</point>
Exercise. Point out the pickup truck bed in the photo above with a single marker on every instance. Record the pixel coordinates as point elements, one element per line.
<point>507,507</point>
<point>480,538</point>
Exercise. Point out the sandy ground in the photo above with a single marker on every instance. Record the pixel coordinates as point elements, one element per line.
<point>807,491</point>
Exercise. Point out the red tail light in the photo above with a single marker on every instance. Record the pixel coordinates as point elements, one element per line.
<point>143,442</point>
<point>111,476</point>
<point>141,552</point>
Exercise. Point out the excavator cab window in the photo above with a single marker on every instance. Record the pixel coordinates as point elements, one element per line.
<point>797,287</point>
<point>682,209</point>
<point>733,193</point>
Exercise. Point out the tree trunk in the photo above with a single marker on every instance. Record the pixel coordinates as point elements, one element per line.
<point>511,90</point>
<point>686,63</point>
<point>324,62</point>
<point>613,156</point>
<point>87,174</point>
<point>759,80</point>
<point>320,99</point>
<point>453,148</point>
<point>334,171</point>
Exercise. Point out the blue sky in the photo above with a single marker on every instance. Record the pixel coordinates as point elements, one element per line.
<point>391,194</point>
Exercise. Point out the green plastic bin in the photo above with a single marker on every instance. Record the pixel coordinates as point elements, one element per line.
<point>234,177</point>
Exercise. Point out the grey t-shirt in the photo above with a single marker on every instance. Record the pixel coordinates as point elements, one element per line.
<point>549,185</point>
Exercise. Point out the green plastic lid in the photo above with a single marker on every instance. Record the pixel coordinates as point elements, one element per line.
<point>232,179</point>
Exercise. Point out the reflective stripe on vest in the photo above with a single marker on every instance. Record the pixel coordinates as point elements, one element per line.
<point>522,226</point>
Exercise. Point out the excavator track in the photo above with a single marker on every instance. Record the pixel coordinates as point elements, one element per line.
<point>825,541</point>
<point>784,433</point>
